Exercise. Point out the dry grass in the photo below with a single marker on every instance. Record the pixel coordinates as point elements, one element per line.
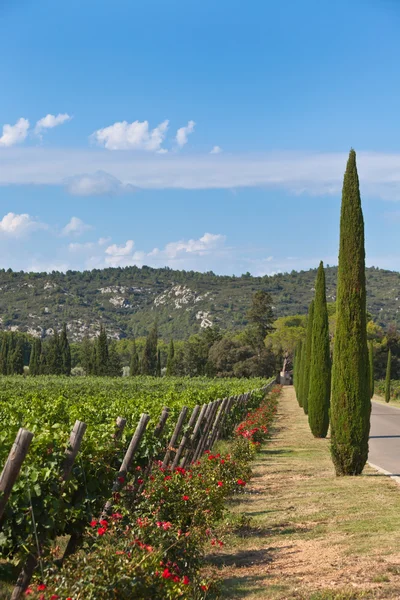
<point>311,535</point>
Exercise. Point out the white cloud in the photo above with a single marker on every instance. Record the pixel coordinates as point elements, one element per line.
<point>97,184</point>
<point>183,133</point>
<point>19,225</point>
<point>118,255</point>
<point>14,134</point>
<point>216,150</point>
<point>75,227</point>
<point>78,247</point>
<point>172,253</point>
<point>132,136</point>
<point>51,121</point>
<point>207,243</point>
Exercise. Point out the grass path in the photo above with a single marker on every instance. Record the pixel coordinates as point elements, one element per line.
<point>311,535</point>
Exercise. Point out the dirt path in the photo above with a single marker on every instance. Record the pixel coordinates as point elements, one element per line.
<point>311,535</point>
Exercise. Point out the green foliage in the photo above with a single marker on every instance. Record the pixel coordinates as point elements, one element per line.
<point>306,362</point>
<point>350,403</point>
<point>153,545</point>
<point>387,380</point>
<point>260,314</point>
<point>86,299</point>
<point>320,369</point>
<point>49,406</point>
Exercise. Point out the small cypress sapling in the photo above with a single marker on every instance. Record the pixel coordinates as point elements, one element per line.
<point>371,369</point>
<point>387,381</point>
<point>320,369</point>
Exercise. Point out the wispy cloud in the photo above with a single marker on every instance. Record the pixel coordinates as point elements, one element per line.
<point>14,134</point>
<point>299,173</point>
<point>131,136</point>
<point>51,121</point>
<point>97,184</point>
<point>216,150</point>
<point>183,133</point>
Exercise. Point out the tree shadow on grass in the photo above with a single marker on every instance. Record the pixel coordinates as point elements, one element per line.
<point>243,558</point>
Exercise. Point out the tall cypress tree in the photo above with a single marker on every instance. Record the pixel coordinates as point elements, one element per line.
<point>4,355</point>
<point>18,358</point>
<point>134,368</point>
<point>350,401</point>
<point>34,362</point>
<point>371,369</point>
<point>170,359</point>
<point>149,360</point>
<point>387,381</point>
<point>33,359</point>
<point>114,362</point>
<point>158,367</point>
<point>320,368</point>
<point>65,351</point>
<point>102,353</point>
<point>54,359</point>
<point>305,382</point>
<point>87,355</point>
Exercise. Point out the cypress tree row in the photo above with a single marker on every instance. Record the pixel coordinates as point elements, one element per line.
<point>371,369</point>
<point>320,367</point>
<point>387,381</point>
<point>350,401</point>
<point>101,359</point>
<point>305,381</point>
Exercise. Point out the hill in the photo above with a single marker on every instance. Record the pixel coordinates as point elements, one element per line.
<point>128,300</point>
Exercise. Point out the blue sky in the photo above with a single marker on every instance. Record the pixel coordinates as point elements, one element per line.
<point>199,135</point>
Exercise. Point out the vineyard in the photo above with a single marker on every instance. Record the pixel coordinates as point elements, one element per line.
<point>119,427</point>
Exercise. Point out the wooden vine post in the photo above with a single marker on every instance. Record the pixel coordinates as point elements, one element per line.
<point>71,452</point>
<point>193,437</point>
<point>13,465</point>
<point>174,438</point>
<point>186,436</point>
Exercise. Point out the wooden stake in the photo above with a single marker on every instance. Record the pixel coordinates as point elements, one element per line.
<point>186,436</point>
<point>13,465</point>
<point>196,431</point>
<point>174,438</point>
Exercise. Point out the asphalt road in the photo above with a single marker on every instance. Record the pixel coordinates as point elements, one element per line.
<point>384,441</point>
